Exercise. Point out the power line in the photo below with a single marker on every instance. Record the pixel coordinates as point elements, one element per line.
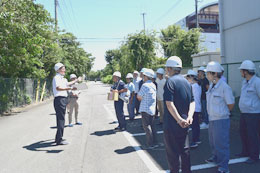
<point>73,13</point>
<point>63,20</point>
<point>167,12</point>
<point>70,21</point>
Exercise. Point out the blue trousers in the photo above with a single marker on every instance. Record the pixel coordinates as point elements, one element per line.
<point>131,108</point>
<point>219,142</point>
<point>119,108</point>
<point>204,112</point>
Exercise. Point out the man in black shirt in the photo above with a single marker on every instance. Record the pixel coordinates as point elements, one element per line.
<point>204,87</point>
<point>178,115</point>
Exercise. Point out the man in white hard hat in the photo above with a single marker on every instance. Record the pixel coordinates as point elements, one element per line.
<point>220,101</point>
<point>136,82</point>
<point>60,87</point>
<point>196,90</point>
<point>119,86</point>
<point>73,104</point>
<point>249,105</point>
<point>147,97</point>
<point>204,82</point>
<point>131,92</point>
<point>160,85</point>
<point>179,109</point>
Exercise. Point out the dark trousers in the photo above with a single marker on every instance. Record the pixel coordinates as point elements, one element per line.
<point>149,128</point>
<point>243,134</point>
<point>60,104</point>
<point>137,105</point>
<point>249,133</point>
<point>204,112</point>
<point>195,127</point>
<point>119,108</point>
<point>177,148</point>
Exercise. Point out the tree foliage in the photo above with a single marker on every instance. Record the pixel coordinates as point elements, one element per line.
<point>30,46</point>
<point>176,41</point>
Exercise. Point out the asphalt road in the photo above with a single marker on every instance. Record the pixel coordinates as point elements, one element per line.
<point>27,142</point>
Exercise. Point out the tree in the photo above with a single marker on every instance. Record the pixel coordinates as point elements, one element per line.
<point>142,49</point>
<point>176,41</point>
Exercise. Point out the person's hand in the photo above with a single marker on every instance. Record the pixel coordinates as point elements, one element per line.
<point>74,88</point>
<point>79,79</point>
<point>190,120</point>
<point>115,91</point>
<point>183,123</point>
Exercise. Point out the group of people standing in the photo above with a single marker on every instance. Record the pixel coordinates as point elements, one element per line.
<point>182,100</point>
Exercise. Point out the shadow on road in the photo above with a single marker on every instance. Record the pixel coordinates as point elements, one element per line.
<point>125,150</point>
<point>41,145</point>
<point>103,133</point>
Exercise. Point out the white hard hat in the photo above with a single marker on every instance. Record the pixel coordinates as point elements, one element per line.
<point>58,66</point>
<point>201,68</point>
<point>174,61</point>
<point>160,71</point>
<point>143,70</point>
<point>192,73</point>
<point>149,73</point>
<point>247,65</point>
<point>129,76</point>
<point>73,76</point>
<point>117,73</point>
<point>214,67</point>
<point>136,72</point>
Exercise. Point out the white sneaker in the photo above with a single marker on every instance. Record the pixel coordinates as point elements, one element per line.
<point>204,126</point>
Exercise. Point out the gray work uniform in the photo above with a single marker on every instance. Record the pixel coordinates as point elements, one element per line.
<point>218,99</point>
<point>249,105</point>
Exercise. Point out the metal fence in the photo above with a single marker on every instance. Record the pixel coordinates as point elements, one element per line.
<point>19,92</point>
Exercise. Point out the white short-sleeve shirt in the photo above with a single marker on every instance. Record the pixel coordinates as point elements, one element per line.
<point>160,86</point>
<point>196,90</point>
<point>59,81</point>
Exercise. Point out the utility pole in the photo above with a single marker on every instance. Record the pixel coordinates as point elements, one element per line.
<point>196,11</point>
<point>56,14</point>
<point>144,20</point>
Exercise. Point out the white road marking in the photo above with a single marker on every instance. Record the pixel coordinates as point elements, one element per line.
<point>142,154</point>
<point>142,134</point>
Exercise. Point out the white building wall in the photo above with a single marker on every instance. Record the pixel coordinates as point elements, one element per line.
<point>210,41</point>
<point>241,36</point>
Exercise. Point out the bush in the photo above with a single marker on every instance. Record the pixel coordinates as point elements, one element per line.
<point>107,79</point>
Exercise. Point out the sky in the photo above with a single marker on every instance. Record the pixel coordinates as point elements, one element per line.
<point>101,25</point>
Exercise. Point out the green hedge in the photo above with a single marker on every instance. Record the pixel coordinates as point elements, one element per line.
<point>107,79</point>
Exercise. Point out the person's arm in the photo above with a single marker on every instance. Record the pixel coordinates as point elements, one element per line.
<point>229,98</point>
<point>73,82</point>
<point>58,82</point>
<point>231,106</point>
<point>141,93</point>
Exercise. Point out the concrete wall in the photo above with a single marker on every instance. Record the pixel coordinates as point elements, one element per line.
<point>240,30</point>
<point>202,59</point>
